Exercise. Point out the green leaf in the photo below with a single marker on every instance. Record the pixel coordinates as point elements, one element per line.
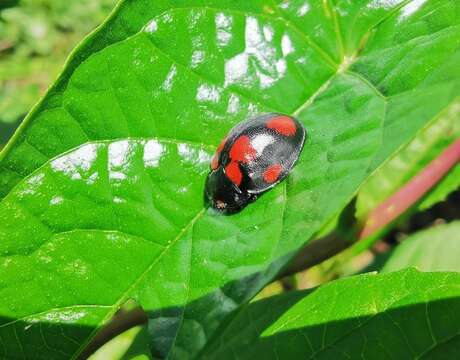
<point>130,345</point>
<point>412,158</point>
<point>435,249</point>
<point>449,184</point>
<point>103,183</point>
<point>403,315</point>
<point>115,221</point>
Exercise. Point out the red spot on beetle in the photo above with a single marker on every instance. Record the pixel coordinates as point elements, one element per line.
<point>233,172</point>
<point>283,125</point>
<point>272,173</point>
<point>242,150</point>
<point>215,159</point>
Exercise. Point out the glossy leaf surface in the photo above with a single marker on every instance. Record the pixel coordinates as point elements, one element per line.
<point>401,315</point>
<point>112,221</point>
<point>435,249</point>
<point>150,95</point>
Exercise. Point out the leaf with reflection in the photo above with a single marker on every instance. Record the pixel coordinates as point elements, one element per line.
<point>401,315</point>
<point>103,215</point>
<point>116,218</point>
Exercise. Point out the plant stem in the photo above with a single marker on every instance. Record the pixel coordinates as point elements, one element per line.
<point>412,192</point>
<point>383,215</point>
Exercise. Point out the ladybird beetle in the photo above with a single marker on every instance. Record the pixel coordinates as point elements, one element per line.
<point>255,156</point>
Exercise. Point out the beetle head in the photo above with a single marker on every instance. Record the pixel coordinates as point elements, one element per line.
<point>223,195</point>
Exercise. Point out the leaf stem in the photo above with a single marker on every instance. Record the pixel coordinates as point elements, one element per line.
<point>317,251</point>
<point>413,191</point>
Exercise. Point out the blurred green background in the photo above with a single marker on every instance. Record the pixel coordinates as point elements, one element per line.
<point>36,37</point>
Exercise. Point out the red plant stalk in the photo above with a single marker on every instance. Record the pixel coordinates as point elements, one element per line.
<point>410,193</point>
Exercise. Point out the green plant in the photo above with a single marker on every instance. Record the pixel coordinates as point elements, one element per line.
<point>35,38</point>
<point>102,186</point>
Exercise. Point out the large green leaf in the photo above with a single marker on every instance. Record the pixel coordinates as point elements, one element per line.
<point>120,220</point>
<point>435,249</point>
<point>150,94</point>
<point>403,315</point>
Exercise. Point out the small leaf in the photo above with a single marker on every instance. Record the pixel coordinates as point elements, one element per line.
<point>131,344</point>
<point>449,184</point>
<point>401,315</point>
<point>435,249</point>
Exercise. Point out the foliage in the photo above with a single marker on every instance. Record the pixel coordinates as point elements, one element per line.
<point>435,249</point>
<point>424,148</point>
<point>447,185</point>
<point>35,38</point>
<point>401,315</point>
<point>102,187</point>
<point>132,345</point>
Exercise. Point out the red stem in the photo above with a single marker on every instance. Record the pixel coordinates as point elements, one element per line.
<point>410,193</point>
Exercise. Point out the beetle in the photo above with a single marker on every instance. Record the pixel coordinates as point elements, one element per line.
<point>255,156</point>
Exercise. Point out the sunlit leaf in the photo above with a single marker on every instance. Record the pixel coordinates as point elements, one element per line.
<point>402,315</point>
<point>103,184</point>
<point>132,345</point>
<point>449,184</point>
<point>435,249</point>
